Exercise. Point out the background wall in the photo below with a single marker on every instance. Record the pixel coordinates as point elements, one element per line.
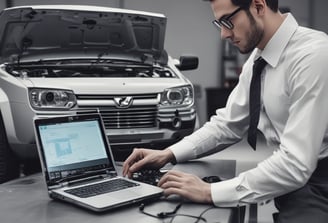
<point>189,31</point>
<point>319,14</point>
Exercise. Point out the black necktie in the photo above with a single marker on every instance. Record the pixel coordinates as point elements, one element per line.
<point>255,101</point>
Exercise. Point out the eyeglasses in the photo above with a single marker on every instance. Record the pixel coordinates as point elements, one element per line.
<point>225,20</point>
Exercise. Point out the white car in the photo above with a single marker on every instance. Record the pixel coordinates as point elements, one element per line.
<point>60,60</point>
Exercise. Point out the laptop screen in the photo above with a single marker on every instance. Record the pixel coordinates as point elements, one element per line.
<point>72,147</point>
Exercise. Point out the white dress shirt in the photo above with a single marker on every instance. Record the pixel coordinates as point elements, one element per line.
<point>294,118</point>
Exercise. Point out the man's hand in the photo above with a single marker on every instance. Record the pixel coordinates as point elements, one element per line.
<point>186,185</point>
<point>141,158</point>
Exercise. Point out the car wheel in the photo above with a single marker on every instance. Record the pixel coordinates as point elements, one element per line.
<point>9,164</point>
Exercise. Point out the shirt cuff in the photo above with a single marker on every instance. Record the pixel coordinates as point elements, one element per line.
<point>228,193</point>
<point>182,151</point>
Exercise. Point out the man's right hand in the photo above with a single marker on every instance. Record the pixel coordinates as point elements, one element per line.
<point>142,158</point>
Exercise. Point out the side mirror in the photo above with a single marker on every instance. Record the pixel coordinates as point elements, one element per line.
<point>187,63</point>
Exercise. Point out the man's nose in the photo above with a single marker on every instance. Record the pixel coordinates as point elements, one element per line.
<point>225,33</point>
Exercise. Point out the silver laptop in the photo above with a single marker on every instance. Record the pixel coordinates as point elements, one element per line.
<point>78,164</point>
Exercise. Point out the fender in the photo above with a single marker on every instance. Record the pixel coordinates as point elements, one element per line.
<point>7,117</point>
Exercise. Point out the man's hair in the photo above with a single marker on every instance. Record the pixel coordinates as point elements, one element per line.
<point>272,4</point>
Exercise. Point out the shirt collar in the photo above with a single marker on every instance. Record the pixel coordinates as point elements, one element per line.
<point>276,45</point>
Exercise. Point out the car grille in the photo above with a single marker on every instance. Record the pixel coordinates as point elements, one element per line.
<point>136,116</point>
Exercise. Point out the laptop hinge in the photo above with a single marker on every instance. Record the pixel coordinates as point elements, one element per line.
<point>84,180</point>
<point>89,179</point>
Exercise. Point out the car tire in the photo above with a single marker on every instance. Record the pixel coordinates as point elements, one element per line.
<point>9,164</point>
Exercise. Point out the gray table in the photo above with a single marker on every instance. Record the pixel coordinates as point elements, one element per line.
<point>25,200</point>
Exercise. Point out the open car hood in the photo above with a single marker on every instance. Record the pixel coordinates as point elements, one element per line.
<point>35,33</point>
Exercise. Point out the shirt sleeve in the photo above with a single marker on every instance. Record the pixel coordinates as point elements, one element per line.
<point>225,128</point>
<point>294,160</point>
<point>301,142</point>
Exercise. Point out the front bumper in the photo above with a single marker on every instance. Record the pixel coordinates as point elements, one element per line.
<point>170,126</point>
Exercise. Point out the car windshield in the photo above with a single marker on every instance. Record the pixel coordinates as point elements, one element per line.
<point>88,69</point>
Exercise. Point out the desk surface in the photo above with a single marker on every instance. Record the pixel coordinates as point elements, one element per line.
<point>26,200</point>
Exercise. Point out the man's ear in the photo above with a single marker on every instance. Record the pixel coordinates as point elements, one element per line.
<point>259,6</point>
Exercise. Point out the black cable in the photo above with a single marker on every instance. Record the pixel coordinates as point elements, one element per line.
<point>213,207</point>
<point>190,216</point>
<point>170,214</point>
<point>204,212</point>
<point>173,214</point>
<point>160,214</point>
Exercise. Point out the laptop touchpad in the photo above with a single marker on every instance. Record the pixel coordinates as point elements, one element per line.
<point>124,195</point>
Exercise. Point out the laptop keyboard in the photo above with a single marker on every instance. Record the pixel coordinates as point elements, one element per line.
<point>101,188</point>
<point>149,176</point>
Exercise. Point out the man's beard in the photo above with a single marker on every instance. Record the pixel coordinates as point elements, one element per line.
<point>253,37</point>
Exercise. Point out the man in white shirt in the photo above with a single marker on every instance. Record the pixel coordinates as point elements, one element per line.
<point>293,118</point>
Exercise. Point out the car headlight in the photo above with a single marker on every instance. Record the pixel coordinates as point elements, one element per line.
<point>177,96</point>
<point>52,99</point>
